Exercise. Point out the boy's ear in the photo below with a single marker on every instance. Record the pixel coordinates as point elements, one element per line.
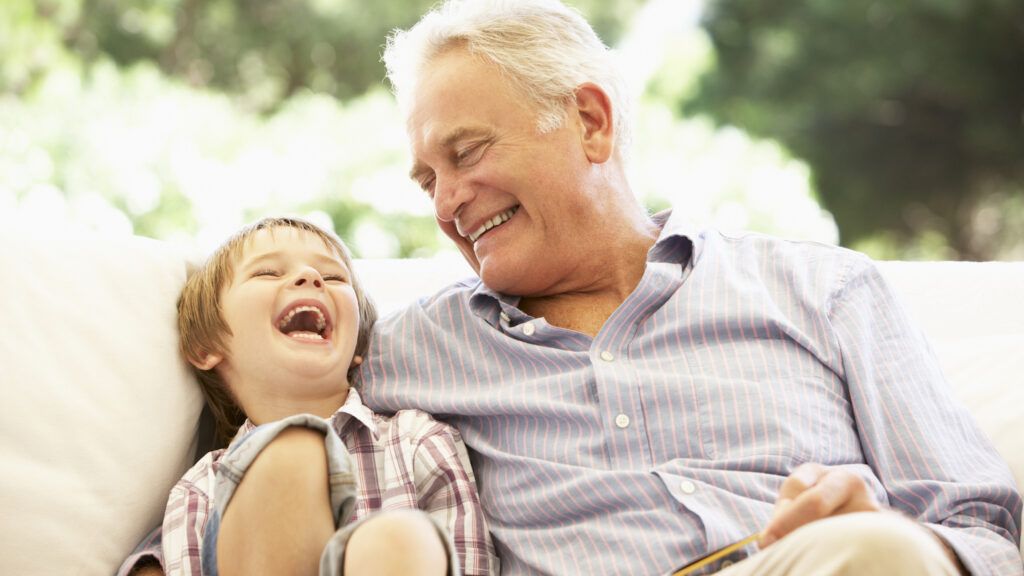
<point>356,361</point>
<point>206,360</point>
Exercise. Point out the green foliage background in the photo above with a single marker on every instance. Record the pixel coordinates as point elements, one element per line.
<point>901,123</point>
<point>911,114</point>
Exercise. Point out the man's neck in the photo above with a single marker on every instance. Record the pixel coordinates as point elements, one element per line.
<point>583,313</point>
<point>587,309</point>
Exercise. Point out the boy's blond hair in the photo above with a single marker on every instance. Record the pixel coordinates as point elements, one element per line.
<point>202,328</point>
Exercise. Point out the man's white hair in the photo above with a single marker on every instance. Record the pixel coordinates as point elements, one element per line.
<point>543,47</point>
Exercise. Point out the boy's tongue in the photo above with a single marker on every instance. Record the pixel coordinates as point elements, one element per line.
<point>305,324</point>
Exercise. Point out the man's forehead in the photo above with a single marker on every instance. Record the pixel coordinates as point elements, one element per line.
<point>447,82</point>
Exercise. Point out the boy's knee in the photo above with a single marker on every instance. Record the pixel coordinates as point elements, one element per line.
<point>396,542</point>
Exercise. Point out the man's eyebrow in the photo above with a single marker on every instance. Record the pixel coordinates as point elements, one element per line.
<point>460,133</point>
<point>418,169</point>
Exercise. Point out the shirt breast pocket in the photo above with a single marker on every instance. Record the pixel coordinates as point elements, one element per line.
<point>777,414</point>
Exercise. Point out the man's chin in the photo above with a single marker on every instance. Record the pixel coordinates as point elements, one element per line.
<point>505,277</point>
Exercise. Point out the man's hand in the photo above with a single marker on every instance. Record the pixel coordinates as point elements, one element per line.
<point>813,492</point>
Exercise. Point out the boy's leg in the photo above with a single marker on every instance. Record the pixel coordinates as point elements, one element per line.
<point>280,515</point>
<point>399,542</point>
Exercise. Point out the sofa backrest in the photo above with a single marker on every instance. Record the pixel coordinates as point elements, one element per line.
<point>98,414</point>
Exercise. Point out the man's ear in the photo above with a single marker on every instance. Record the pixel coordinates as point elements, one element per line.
<point>595,113</point>
<point>206,360</point>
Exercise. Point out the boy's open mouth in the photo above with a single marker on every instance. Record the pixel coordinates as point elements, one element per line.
<point>305,320</point>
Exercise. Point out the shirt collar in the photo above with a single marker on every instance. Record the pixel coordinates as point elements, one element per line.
<point>488,304</point>
<point>352,411</point>
<point>680,239</point>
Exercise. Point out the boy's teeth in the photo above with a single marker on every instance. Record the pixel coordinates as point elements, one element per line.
<point>496,221</point>
<point>320,321</point>
<point>306,335</point>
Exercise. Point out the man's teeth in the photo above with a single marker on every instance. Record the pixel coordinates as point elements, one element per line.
<point>496,221</point>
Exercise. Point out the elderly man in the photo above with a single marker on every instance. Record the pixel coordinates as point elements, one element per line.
<point>636,394</point>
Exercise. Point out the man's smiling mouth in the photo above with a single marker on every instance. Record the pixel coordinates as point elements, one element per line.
<point>496,221</point>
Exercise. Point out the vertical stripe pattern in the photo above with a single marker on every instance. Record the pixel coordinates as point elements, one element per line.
<point>668,434</point>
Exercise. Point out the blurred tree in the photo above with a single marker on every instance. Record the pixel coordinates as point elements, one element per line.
<point>182,119</point>
<point>910,114</point>
<point>263,50</point>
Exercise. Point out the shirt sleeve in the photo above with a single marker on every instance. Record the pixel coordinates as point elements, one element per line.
<point>147,552</point>
<point>188,508</point>
<point>184,523</point>
<point>934,462</point>
<point>447,491</point>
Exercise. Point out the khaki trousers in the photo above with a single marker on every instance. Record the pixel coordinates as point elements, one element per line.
<point>863,544</point>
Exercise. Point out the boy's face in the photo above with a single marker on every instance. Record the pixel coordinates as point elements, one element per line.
<point>294,320</point>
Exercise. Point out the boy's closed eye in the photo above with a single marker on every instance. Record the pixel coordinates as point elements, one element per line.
<point>265,272</point>
<point>328,276</point>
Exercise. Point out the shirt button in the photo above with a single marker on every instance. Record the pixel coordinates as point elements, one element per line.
<point>607,356</point>
<point>622,421</point>
<point>687,487</point>
<point>505,317</point>
<point>528,329</point>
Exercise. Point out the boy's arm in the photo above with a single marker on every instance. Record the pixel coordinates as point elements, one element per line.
<point>447,491</point>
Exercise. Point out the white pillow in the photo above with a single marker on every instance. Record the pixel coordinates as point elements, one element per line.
<point>99,414</point>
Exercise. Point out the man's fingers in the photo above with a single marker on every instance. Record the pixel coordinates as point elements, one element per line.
<point>834,492</point>
<point>805,476</point>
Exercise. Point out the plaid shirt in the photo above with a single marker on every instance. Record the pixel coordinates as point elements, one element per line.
<point>405,461</point>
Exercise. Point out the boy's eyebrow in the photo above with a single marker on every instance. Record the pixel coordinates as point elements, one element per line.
<point>460,133</point>
<point>277,254</point>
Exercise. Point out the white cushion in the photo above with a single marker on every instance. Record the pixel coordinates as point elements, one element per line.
<point>98,417</point>
<point>98,414</point>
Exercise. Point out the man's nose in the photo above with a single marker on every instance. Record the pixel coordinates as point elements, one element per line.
<point>450,195</point>
<point>309,276</point>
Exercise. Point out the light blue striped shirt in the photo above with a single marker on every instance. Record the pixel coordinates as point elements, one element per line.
<point>668,435</point>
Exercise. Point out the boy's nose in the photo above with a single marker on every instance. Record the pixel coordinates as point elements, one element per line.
<point>309,276</point>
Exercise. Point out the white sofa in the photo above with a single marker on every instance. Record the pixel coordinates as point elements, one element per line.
<point>99,415</point>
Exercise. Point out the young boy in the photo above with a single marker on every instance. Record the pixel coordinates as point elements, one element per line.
<point>275,324</point>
